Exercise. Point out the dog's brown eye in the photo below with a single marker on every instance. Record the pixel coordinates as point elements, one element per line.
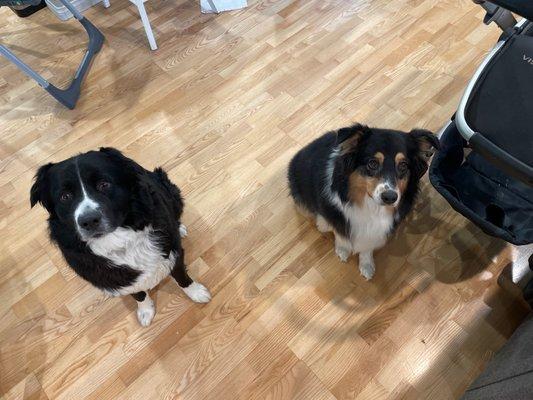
<point>65,196</point>
<point>402,167</point>
<point>373,165</point>
<point>103,185</point>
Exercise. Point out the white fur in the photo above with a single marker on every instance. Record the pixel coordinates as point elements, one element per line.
<point>366,265</point>
<point>323,225</point>
<point>382,187</point>
<point>138,250</point>
<point>370,224</point>
<point>145,311</point>
<point>85,205</point>
<point>183,230</point>
<point>197,293</point>
<point>343,248</point>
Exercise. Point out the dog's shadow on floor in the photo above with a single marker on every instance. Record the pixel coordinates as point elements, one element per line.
<point>459,249</point>
<point>412,253</point>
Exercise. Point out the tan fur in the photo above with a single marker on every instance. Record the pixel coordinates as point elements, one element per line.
<point>349,144</point>
<point>399,158</point>
<point>359,186</point>
<point>426,150</point>
<point>401,183</point>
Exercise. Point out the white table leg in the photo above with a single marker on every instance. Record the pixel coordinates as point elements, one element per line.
<point>146,23</point>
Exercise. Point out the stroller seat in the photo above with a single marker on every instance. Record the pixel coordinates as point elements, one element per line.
<point>496,112</point>
<point>484,168</point>
<point>499,204</point>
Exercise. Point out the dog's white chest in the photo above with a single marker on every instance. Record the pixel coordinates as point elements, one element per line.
<point>138,250</point>
<point>370,225</point>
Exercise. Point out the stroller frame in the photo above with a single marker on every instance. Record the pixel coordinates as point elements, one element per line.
<point>69,96</point>
<point>478,142</point>
<point>481,170</point>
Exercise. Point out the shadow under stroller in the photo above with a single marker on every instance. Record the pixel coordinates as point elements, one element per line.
<point>485,166</point>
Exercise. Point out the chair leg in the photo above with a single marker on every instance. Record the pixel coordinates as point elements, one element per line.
<point>146,24</point>
<point>106,3</point>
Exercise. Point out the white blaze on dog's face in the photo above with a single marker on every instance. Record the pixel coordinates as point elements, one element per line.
<point>90,193</point>
<point>88,215</point>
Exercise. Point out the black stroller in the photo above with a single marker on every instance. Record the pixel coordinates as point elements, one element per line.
<point>485,166</point>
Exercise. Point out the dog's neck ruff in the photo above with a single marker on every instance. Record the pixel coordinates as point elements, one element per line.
<point>370,223</point>
<point>138,250</point>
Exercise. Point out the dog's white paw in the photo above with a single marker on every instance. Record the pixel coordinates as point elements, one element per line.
<point>322,225</point>
<point>183,230</point>
<point>366,264</point>
<point>367,270</point>
<point>146,312</point>
<point>343,253</point>
<point>197,293</point>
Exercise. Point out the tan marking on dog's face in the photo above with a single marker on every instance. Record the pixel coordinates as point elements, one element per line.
<point>360,186</point>
<point>401,182</point>
<point>399,158</point>
<point>380,157</point>
<point>402,185</point>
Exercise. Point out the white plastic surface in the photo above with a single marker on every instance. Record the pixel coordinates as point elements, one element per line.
<point>63,13</point>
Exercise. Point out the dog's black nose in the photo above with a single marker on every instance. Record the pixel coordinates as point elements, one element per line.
<point>90,221</point>
<point>389,196</point>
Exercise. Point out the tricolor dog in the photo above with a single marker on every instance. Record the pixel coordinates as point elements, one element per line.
<point>360,182</point>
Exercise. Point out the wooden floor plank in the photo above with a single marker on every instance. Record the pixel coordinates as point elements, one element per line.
<point>223,105</point>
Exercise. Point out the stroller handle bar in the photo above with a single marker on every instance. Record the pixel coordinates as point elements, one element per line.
<point>523,8</point>
<point>478,142</point>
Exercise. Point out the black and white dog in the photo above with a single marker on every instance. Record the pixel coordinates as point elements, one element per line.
<point>117,225</point>
<point>360,182</point>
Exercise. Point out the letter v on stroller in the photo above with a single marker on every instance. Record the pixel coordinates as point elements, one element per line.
<point>485,166</point>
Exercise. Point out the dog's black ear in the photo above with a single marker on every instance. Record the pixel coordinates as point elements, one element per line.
<point>426,141</point>
<point>38,189</point>
<point>112,152</point>
<point>127,163</point>
<point>427,144</point>
<point>348,138</point>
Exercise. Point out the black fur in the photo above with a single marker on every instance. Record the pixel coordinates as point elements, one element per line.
<point>137,198</point>
<point>351,148</point>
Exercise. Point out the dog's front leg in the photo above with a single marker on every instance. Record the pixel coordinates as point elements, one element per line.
<point>366,264</point>
<point>343,247</point>
<point>145,308</point>
<point>196,291</point>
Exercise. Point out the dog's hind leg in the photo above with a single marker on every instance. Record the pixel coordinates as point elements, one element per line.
<point>183,230</point>
<point>196,291</point>
<point>322,225</point>
<point>145,308</point>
